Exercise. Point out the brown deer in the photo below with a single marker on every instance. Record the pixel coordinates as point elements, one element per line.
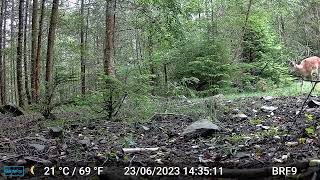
<point>308,69</point>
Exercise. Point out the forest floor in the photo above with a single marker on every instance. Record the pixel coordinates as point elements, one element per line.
<point>249,137</point>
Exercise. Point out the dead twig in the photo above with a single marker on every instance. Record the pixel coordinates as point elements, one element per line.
<point>134,150</point>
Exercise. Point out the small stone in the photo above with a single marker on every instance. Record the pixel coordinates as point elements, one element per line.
<point>240,116</point>
<point>242,155</point>
<point>285,157</point>
<point>235,111</point>
<point>257,146</point>
<point>158,161</point>
<point>277,160</point>
<point>145,128</point>
<point>38,147</point>
<point>103,141</point>
<point>21,162</point>
<point>267,98</point>
<point>85,142</point>
<point>201,127</point>
<point>277,137</point>
<point>268,108</point>
<point>290,144</point>
<point>195,147</point>
<point>55,132</point>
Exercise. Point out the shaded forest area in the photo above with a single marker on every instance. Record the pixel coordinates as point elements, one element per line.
<point>88,80</point>
<point>57,54</point>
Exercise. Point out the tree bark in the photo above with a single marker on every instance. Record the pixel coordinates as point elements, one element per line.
<point>1,64</point>
<point>13,91</point>
<point>50,51</point>
<point>38,55</point>
<point>33,46</point>
<point>4,90</point>
<point>19,56</point>
<point>25,54</point>
<point>82,53</point>
<point>151,64</point>
<point>109,68</point>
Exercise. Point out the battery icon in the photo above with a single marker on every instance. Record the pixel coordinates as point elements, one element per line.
<point>13,171</point>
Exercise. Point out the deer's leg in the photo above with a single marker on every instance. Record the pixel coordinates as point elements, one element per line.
<point>301,86</point>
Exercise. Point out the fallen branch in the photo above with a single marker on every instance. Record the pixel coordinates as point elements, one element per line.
<point>134,150</point>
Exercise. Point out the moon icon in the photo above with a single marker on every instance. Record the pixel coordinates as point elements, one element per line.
<point>32,170</point>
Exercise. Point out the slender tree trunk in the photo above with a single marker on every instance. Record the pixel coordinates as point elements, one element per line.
<point>12,39</point>
<point>50,51</point>
<point>4,41</point>
<point>239,50</point>
<point>82,51</point>
<point>165,72</point>
<point>247,14</point>
<point>151,64</point>
<point>86,37</point>
<point>19,55</point>
<point>109,68</point>
<point>1,65</point>
<point>33,47</point>
<point>25,54</point>
<point>38,55</point>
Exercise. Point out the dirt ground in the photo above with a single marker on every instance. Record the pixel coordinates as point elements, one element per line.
<point>260,140</point>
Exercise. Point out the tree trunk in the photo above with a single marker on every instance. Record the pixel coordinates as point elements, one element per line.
<point>151,64</point>
<point>25,54</point>
<point>38,56</point>
<point>109,68</point>
<point>244,30</point>
<point>33,46</point>
<point>50,51</point>
<point>1,65</point>
<point>4,90</point>
<point>83,64</point>
<point>12,39</point>
<point>19,55</point>
<point>165,76</point>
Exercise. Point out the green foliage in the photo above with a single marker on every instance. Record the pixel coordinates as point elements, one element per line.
<point>128,141</point>
<point>310,131</point>
<point>206,62</point>
<point>256,121</point>
<point>236,139</point>
<point>309,117</point>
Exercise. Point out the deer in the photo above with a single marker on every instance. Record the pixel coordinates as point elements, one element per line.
<point>308,69</point>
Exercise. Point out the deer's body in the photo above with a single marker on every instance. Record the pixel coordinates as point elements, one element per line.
<point>308,69</point>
